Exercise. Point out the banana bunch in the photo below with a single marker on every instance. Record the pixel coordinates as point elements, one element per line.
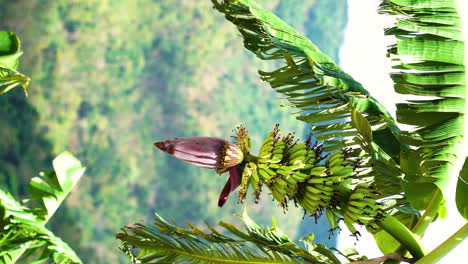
<point>362,207</point>
<point>272,148</point>
<point>321,187</point>
<point>297,171</point>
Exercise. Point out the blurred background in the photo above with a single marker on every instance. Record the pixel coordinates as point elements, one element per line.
<point>110,77</point>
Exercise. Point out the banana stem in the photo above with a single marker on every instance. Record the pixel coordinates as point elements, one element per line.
<point>250,158</point>
<point>378,260</point>
<point>424,221</point>
<point>429,214</point>
<point>403,235</point>
<point>443,249</point>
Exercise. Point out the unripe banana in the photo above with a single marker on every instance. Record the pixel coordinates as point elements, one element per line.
<point>297,147</point>
<point>263,173</point>
<point>332,219</point>
<point>290,180</point>
<point>274,166</point>
<point>297,166</point>
<point>309,205</point>
<point>317,180</point>
<point>341,170</point>
<point>307,167</point>
<point>364,204</point>
<point>281,182</point>
<point>337,179</point>
<point>352,218</point>
<point>255,180</point>
<point>319,191</point>
<point>358,196</point>
<point>268,141</point>
<point>335,158</point>
<point>279,193</point>
<point>312,196</point>
<point>300,159</point>
<point>283,172</point>
<point>276,158</point>
<point>299,176</point>
<point>318,171</point>
<point>298,154</point>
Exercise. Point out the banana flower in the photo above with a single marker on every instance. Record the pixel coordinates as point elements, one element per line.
<point>211,153</point>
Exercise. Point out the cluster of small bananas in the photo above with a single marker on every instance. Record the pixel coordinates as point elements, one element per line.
<point>362,207</point>
<point>294,171</point>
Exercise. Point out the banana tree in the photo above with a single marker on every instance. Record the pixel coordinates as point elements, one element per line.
<point>363,168</point>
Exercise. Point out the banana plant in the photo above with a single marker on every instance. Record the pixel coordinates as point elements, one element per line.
<point>24,235</point>
<point>375,173</point>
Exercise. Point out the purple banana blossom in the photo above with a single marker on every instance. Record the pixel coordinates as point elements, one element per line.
<point>211,153</point>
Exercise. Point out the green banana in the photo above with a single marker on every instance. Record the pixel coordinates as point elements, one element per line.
<point>263,173</point>
<point>309,205</point>
<point>332,219</point>
<point>318,171</point>
<point>255,181</point>
<point>299,176</point>
<point>279,193</point>
<point>298,154</point>
<point>281,182</point>
<point>363,203</point>
<point>317,180</point>
<point>274,166</point>
<point>276,158</point>
<point>290,180</point>
<point>296,160</point>
<point>335,158</point>
<point>319,188</point>
<point>297,147</point>
<point>341,170</point>
<point>297,166</point>
<point>312,196</point>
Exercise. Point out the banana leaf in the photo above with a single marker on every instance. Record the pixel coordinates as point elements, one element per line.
<point>10,51</point>
<point>429,62</point>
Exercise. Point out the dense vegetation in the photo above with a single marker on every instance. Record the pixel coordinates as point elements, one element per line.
<point>109,78</point>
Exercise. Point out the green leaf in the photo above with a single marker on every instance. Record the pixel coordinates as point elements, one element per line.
<point>364,128</point>
<point>9,79</point>
<point>429,61</point>
<point>52,187</point>
<point>10,50</point>
<point>462,191</point>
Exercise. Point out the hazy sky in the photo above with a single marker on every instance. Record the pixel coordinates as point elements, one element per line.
<point>363,57</point>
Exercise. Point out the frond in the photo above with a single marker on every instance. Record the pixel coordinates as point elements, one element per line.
<point>429,62</point>
<point>164,242</point>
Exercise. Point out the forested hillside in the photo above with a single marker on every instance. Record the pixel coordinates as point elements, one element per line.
<point>109,78</point>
